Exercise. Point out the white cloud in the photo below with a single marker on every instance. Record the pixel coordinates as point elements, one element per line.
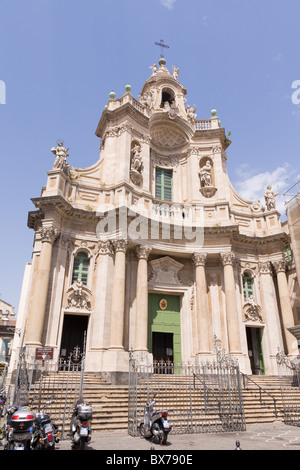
<point>251,185</point>
<point>168,3</point>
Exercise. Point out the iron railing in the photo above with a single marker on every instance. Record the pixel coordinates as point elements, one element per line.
<point>200,397</point>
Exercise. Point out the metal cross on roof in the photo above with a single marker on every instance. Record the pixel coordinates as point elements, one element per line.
<point>162,45</point>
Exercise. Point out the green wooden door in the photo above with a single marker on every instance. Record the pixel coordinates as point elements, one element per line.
<point>164,317</point>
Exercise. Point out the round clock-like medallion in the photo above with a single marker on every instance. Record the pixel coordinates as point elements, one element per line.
<point>163,304</point>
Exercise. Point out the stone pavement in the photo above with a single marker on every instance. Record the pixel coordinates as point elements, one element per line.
<point>274,436</point>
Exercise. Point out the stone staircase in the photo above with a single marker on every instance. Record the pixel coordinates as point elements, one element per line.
<point>110,402</point>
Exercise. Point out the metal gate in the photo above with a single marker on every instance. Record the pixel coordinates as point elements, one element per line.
<point>200,396</point>
<point>35,382</point>
<point>289,378</point>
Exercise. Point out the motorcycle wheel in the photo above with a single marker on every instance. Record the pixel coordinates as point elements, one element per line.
<point>143,431</point>
<point>82,443</point>
<point>163,436</point>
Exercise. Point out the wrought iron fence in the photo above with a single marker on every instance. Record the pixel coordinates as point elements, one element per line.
<point>200,396</point>
<point>36,382</point>
<point>289,378</point>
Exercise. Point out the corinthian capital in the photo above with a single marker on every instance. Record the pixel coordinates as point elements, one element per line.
<point>279,265</point>
<point>105,247</point>
<point>265,268</point>
<point>199,259</point>
<point>49,234</point>
<point>227,258</point>
<point>143,251</point>
<point>120,245</point>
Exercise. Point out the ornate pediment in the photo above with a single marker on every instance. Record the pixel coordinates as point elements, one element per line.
<point>79,297</point>
<point>165,271</point>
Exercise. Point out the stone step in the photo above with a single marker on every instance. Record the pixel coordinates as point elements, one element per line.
<point>110,402</point>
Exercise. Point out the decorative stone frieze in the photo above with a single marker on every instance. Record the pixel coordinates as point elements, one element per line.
<point>252,310</point>
<point>165,271</point>
<point>79,296</point>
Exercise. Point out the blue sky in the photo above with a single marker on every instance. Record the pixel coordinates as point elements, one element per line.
<point>59,59</point>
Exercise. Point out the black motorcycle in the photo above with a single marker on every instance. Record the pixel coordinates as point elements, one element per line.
<point>45,434</point>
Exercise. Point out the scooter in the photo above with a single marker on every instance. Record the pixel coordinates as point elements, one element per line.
<point>18,428</point>
<point>155,423</point>
<point>80,431</point>
<point>45,433</point>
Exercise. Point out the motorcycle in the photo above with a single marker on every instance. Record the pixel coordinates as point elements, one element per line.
<point>17,432</point>
<point>45,433</point>
<point>80,429</point>
<point>155,423</point>
<point>2,401</point>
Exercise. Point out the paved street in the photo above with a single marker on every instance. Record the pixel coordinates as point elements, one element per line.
<point>275,436</point>
<point>270,437</point>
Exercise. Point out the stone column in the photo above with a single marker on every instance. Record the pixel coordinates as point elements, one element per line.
<point>232,315</point>
<point>202,313</point>
<point>118,295</point>
<point>100,332</point>
<point>141,325</point>
<point>286,307</point>
<point>34,329</point>
<point>271,315</point>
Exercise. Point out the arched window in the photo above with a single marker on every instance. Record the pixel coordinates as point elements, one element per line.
<point>248,289</point>
<point>81,268</point>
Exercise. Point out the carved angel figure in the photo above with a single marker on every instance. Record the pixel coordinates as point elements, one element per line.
<point>191,113</point>
<point>154,68</point>
<point>175,72</point>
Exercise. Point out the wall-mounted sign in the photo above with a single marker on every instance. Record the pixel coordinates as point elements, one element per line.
<point>43,354</point>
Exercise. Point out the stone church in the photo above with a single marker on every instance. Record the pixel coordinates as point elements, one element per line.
<point>151,250</point>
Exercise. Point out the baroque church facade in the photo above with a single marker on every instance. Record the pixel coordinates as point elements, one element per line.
<point>151,250</point>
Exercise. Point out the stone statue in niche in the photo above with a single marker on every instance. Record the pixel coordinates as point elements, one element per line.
<point>205,175</point>
<point>206,187</point>
<point>270,198</point>
<point>61,154</point>
<point>136,165</point>
<point>171,109</point>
